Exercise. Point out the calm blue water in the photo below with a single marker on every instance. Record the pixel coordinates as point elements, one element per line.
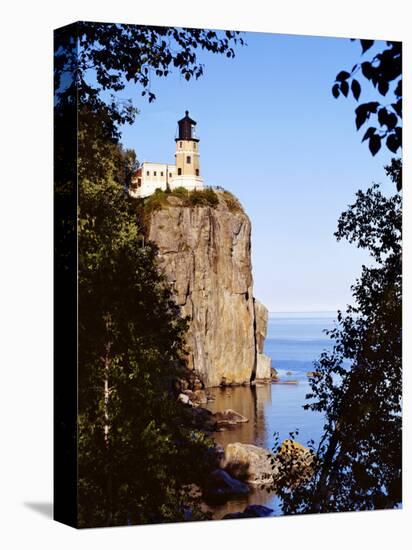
<point>293,342</point>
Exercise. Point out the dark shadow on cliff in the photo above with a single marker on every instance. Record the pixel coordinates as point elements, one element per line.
<point>45,509</point>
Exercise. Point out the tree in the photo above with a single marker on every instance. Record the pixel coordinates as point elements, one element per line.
<point>103,57</point>
<point>358,385</point>
<point>135,452</point>
<point>384,72</point>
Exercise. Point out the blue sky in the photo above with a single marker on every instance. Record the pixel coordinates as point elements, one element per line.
<point>271,132</point>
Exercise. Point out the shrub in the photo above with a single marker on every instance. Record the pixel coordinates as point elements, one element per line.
<point>211,197</point>
<point>204,197</point>
<point>231,202</point>
<point>180,192</point>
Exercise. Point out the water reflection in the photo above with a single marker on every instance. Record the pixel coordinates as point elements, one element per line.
<point>293,342</point>
<point>248,401</point>
<point>270,408</point>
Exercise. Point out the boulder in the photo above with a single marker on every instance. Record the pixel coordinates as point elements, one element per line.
<point>249,463</point>
<point>257,511</point>
<point>251,511</point>
<point>214,457</point>
<point>234,515</point>
<point>261,324</point>
<point>220,486</point>
<point>197,397</point>
<point>311,374</point>
<point>197,385</point>
<point>274,374</point>
<point>263,367</point>
<point>229,416</point>
<point>184,399</point>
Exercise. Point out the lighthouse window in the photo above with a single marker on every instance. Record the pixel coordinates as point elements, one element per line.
<point>155,173</point>
<point>197,171</point>
<point>179,171</point>
<point>194,145</point>
<point>161,174</point>
<point>148,173</point>
<point>170,174</point>
<point>180,144</point>
<point>188,160</point>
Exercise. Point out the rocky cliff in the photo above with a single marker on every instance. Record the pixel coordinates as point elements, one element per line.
<point>204,250</point>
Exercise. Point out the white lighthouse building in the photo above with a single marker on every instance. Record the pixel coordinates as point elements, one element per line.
<point>184,173</point>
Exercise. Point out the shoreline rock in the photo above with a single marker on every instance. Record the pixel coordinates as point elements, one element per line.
<point>251,511</point>
<point>220,486</point>
<point>249,463</point>
<point>274,374</point>
<point>229,416</point>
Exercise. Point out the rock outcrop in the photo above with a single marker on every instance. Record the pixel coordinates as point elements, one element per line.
<point>251,511</point>
<point>220,486</point>
<point>229,416</point>
<point>293,464</point>
<point>263,362</point>
<point>205,252</point>
<point>249,463</point>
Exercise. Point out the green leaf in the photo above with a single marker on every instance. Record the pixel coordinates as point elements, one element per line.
<point>374,144</point>
<point>344,88</point>
<point>343,75</point>
<point>361,115</point>
<point>356,89</point>
<point>366,44</point>
<point>383,87</point>
<point>369,132</point>
<point>392,143</point>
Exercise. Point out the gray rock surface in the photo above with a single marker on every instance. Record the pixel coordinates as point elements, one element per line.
<point>263,366</point>
<point>229,416</point>
<point>205,253</point>
<point>248,463</point>
<point>251,511</point>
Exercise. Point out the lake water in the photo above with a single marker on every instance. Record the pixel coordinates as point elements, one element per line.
<point>293,342</point>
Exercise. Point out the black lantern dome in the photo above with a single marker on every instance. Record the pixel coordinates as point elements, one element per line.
<point>186,128</point>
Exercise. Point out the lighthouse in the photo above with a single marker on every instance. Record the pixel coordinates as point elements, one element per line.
<point>187,155</point>
<point>184,173</point>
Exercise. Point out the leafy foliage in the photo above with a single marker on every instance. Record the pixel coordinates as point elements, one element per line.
<point>384,71</point>
<point>159,200</point>
<point>134,447</point>
<point>358,385</point>
<point>136,450</point>
<point>109,55</point>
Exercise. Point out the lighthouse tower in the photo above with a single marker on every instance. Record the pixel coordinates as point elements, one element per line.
<point>187,155</point>
<point>185,173</point>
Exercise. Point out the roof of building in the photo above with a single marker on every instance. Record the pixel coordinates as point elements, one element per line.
<point>187,118</point>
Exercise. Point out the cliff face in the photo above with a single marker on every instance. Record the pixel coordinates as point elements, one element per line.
<point>205,254</point>
<point>263,362</point>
